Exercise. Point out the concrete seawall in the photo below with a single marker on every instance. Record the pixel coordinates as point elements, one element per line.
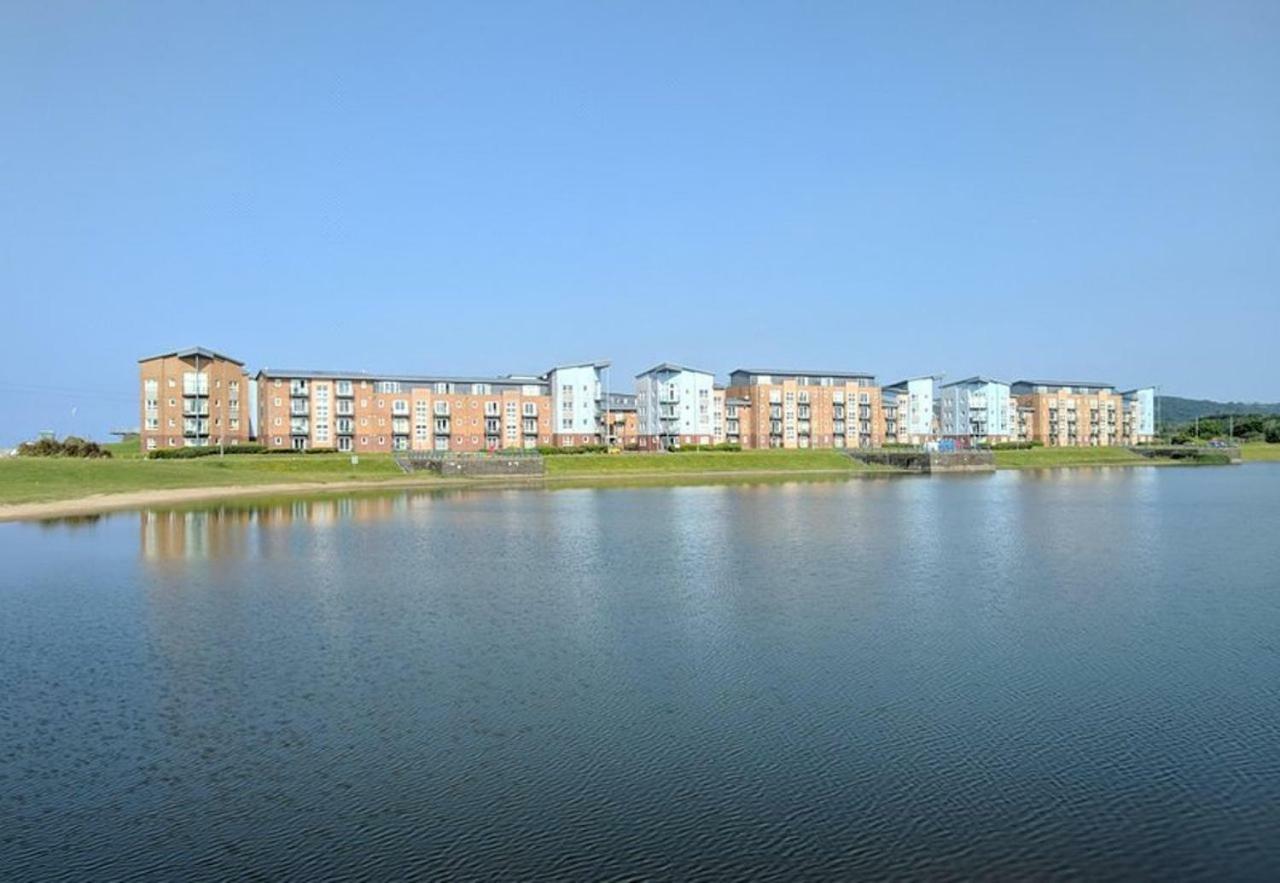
<point>928,462</point>
<point>474,465</point>
<point>1189,452</point>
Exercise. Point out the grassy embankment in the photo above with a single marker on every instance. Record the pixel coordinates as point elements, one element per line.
<point>1051,457</point>
<point>31,479</point>
<point>1260,452</point>
<point>703,462</point>
<point>39,479</point>
<point>36,479</point>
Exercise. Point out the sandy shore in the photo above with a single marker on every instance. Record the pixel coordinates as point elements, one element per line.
<point>98,503</point>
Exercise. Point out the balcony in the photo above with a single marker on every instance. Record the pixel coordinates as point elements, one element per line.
<point>299,408</point>
<point>298,388</point>
<point>195,408</point>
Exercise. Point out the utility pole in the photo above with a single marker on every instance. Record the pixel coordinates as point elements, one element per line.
<point>608,428</point>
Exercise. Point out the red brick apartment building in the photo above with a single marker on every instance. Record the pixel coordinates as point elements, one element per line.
<point>193,398</point>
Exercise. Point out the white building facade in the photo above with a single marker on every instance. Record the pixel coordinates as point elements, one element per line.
<point>577,392</point>
<point>913,411</point>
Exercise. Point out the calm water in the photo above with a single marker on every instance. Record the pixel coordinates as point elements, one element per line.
<point>1064,674</point>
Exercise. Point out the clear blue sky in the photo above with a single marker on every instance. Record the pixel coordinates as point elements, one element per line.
<point>1016,188</point>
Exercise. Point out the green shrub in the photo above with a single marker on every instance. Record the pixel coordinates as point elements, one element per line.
<point>209,451</point>
<point>722,446</point>
<point>1015,445</point>
<point>552,450</point>
<point>71,446</point>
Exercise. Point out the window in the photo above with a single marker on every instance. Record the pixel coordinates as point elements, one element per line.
<point>151,444</point>
<point>344,443</point>
<point>531,409</point>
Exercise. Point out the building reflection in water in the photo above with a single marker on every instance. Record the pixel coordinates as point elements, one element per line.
<point>225,533</point>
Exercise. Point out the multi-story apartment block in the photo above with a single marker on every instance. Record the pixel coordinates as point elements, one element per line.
<point>1072,413</point>
<point>621,420</point>
<point>1140,415</point>
<point>354,411</point>
<point>577,392</point>
<point>193,397</point>
<point>718,395</point>
<point>674,407</point>
<point>737,414</point>
<point>909,408</point>
<point>977,410</point>
<point>806,409</point>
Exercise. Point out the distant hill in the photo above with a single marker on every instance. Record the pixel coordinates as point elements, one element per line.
<point>1174,410</point>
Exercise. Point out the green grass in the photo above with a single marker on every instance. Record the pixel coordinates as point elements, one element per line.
<point>39,479</point>
<point>129,450</point>
<point>701,461</point>
<point>1260,452</point>
<point>1051,457</point>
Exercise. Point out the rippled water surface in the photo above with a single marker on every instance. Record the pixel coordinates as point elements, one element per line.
<point>1028,674</point>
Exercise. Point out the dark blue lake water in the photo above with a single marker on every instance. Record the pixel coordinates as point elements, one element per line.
<point>1065,674</point>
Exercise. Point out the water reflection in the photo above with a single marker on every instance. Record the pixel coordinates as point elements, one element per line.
<point>1028,672</point>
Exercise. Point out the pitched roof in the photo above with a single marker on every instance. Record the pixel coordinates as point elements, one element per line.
<point>599,363</point>
<point>977,378</point>
<point>901,384</point>
<point>192,352</point>
<point>672,366</point>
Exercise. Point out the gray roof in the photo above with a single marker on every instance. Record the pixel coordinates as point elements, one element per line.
<point>977,378</point>
<point>307,374</point>
<point>672,366</point>
<point>600,363</point>
<point>1058,384</point>
<point>192,352</point>
<point>782,372</point>
<point>902,384</point>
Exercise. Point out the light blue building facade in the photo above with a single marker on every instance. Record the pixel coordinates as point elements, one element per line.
<point>977,409</point>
